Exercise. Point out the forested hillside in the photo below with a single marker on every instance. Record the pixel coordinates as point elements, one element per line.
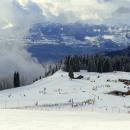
<point>97,63</point>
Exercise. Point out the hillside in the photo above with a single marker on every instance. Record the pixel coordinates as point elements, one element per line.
<point>58,91</point>
<point>123,52</point>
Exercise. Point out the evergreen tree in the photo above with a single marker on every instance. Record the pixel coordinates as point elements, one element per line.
<point>100,67</point>
<point>16,79</point>
<point>107,67</point>
<point>71,74</point>
<point>91,65</point>
<point>96,63</point>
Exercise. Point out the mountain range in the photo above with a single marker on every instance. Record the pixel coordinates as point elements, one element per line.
<point>50,42</point>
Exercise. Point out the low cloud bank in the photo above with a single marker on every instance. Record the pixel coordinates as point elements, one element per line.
<point>16,58</point>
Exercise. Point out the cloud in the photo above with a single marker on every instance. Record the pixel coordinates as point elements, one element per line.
<point>68,11</point>
<point>16,58</point>
<point>123,10</point>
<point>81,11</point>
<point>14,12</point>
<point>15,20</point>
<point>63,11</point>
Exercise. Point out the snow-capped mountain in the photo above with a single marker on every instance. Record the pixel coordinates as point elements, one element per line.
<point>97,35</point>
<point>61,40</point>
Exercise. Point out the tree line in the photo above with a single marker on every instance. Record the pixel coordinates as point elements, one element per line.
<point>73,63</point>
<point>96,63</point>
<point>12,81</point>
<point>17,79</point>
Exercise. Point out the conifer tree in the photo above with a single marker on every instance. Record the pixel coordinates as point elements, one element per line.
<point>16,79</point>
<point>107,66</point>
<point>71,74</point>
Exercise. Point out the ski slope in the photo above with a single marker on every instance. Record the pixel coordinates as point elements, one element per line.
<point>63,120</point>
<point>58,92</point>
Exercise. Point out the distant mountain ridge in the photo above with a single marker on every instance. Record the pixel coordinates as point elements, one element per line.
<point>97,35</point>
<point>54,41</point>
<point>123,52</point>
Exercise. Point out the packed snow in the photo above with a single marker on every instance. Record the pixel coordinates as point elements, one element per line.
<point>61,120</point>
<point>58,92</point>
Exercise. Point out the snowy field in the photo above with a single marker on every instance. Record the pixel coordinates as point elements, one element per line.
<point>58,92</point>
<point>58,103</point>
<point>61,120</point>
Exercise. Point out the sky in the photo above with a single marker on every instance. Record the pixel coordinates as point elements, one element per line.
<point>12,12</point>
<point>14,24</point>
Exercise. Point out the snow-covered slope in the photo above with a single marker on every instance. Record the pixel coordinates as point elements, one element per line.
<point>58,91</point>
<point>63,120</point>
